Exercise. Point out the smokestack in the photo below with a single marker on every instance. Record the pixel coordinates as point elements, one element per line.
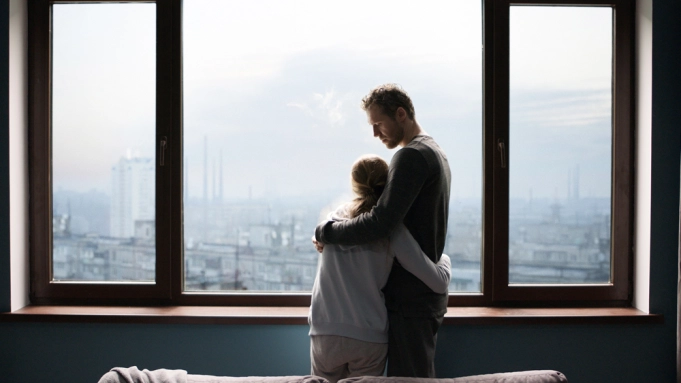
<point>221,195</point>
<point>205,169</point>
<point>214,197</point>
<point>575,183</point>
<point>205,188</point>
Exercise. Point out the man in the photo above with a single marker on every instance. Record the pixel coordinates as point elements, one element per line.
<point>416,193</point>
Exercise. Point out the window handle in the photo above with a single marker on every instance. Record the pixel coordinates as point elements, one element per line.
<point>162,149</point>
<point>502,151</point>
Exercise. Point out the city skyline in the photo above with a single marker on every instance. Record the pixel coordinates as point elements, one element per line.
<point>566,243</point>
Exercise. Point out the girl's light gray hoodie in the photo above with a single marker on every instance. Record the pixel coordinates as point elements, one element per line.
<point>346,297</point>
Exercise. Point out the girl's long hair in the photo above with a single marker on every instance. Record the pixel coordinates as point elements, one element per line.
<point>368,177</point>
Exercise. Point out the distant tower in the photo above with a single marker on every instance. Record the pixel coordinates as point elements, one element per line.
<point>575,183</point>
<point>205,169</point>
<point>133,195</point>
<point>205,188</point>
<point>555,208</point>
<point>215,194</point>
<point>221,195</point>
<point>67,219</point>
<point>293,233</point>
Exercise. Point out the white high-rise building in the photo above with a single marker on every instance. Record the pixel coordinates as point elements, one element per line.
<point>132,195</point>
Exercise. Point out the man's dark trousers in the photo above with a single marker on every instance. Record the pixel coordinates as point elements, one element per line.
<point>411,345</point>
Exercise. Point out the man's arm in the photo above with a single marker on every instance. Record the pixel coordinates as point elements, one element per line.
<point>407,174</point>
<point>415,261</point>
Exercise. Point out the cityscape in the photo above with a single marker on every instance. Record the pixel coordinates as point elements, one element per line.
<point>259,244</point>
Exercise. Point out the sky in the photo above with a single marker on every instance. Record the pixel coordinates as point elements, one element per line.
<point>272,90</point>
<point>560,101</point>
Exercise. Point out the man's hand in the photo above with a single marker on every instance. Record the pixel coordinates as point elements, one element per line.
<point>318,245</point>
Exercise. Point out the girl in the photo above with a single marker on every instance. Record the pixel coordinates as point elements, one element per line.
<point>348,319</point>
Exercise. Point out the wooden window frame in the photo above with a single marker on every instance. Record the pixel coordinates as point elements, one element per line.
<point>43,290</point>
<point>169,286</point>
<point>618,291</point>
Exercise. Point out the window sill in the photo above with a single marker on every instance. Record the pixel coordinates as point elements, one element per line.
<point>298,315</point>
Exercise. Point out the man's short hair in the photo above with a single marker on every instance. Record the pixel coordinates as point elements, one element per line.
<point>389,97</point>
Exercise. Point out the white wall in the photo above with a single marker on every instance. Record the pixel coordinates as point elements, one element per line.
<point>18,153</point>
<point>644,71</point>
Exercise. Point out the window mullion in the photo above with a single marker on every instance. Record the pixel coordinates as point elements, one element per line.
<point>165,144</point>
<point>500,147</point>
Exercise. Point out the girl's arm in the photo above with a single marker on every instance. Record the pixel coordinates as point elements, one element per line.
<point>413,259</point>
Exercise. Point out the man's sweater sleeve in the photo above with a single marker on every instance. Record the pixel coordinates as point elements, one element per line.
<point>407,174</point>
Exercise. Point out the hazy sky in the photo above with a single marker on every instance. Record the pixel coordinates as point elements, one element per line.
<point>275,87</point>
<point>560,101</point>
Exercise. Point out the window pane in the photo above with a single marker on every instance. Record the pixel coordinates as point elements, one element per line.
<point>560,144</point>
<point>272,125</point>
<point>104,58</point>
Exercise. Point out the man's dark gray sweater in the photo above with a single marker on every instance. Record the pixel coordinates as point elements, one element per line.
<point>417,193</point>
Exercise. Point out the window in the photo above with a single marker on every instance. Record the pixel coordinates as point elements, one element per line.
<point>562,164</point>
<point>95,117</point>
<point>183,151</point>
<point>261,108</point>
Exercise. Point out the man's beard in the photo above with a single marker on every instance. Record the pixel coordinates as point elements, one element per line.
<point>395,142</point>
